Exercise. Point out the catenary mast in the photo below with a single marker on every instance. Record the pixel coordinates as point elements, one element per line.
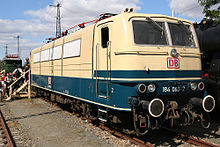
<point>58,24</point>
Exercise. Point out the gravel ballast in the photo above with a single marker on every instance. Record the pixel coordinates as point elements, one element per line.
<point>38,123</point>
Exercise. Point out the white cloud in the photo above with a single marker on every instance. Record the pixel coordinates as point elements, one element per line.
<point>216,6</point>
<point>42,25</point>
<point>188,8</point>
<point>45,15</point>
<point>30,29</point>
<point>75,11</point>
<point>24,27</point>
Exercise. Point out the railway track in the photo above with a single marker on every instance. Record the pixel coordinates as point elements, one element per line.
<point>5,135</point>
<point>190,140</point>
<point>140,141</point>
<point>143,143</point>
<point>195,141</point>
<point>133,140</point>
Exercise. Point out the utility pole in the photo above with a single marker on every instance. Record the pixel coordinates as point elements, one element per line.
<point>58,24</point>
<point>6,50</point>
<point>172,13</point>
<point>18,37</point>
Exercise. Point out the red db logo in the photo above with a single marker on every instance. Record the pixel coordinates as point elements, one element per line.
<point>173,63</point>
<point>49,80</point>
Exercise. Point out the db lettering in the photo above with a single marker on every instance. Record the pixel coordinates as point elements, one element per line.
<point>49,80</point>
<point>173,63</point>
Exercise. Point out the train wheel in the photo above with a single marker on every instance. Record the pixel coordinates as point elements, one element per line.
<point>192,118</point>
<point>205,120</point>
<point>154,124</point>
<point>141,123</point>
<point>184,117</point>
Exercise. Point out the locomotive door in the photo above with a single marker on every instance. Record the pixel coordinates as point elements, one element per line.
<point>103,60</point>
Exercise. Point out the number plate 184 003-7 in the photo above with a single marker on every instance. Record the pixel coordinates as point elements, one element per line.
<point>174,89</point>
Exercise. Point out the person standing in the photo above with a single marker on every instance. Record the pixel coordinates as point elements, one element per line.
<point>26,67</point>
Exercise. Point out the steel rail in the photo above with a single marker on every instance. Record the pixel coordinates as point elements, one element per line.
<point>195,141</point>
<point>191,140</point>
<point>9,140</point>
<point>133,140</point>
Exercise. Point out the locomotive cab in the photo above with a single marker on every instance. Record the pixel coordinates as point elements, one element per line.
<point>154,62</point>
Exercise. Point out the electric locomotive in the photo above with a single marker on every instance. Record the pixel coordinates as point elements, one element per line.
<point>139,71</point>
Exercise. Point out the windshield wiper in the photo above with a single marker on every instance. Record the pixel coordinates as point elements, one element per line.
<point>155,23</point>
<point>185,27</point>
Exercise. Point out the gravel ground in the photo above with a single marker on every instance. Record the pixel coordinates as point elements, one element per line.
<point>38,123</point>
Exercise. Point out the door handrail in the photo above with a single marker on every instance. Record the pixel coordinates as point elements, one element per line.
<point>97,47</point>
<point>18,78</point>
<point>10,86</point>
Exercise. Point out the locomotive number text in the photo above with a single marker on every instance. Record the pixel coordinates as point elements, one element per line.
<point>173,89</point>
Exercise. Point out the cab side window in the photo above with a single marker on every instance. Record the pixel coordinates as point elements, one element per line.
<point>105,37</point>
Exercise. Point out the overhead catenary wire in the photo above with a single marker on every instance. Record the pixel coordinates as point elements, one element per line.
<point>82,25</point>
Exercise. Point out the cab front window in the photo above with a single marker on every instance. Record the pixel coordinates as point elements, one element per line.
<point>148,32</point>
<point>181,35</point>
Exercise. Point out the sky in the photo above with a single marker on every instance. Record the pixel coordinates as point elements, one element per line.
<point>34,20</point>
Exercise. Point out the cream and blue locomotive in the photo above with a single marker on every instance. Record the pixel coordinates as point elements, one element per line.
<point>131,68</point>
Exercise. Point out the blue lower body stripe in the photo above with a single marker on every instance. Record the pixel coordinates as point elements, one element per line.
<point>116,94</point>
<point>149,74</point>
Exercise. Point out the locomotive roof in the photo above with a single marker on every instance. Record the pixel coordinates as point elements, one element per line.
<point>125,15</point>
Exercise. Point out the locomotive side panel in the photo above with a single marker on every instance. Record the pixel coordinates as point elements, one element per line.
<point>45,59</point>
<point>70,62</point>
<point>77,67</point>
<point>56,53</point>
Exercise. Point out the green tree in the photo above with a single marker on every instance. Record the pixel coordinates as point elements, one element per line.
<point>211,13</point>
